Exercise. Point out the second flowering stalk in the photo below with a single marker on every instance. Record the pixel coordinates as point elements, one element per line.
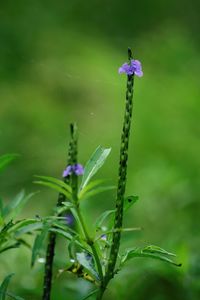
<point>133,67</point>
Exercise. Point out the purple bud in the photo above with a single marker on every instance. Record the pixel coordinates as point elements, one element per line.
<point>69,219</point>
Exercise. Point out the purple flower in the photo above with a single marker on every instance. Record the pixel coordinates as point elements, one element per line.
<point>134,67</point>
<point>103,237</point>
<point>69,219</point>
<point>76,169</point>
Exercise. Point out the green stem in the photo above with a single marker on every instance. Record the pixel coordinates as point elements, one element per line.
<point>47,283</point>
<point>90,242</point>
<point>74,185</point>
<point>122,177</point>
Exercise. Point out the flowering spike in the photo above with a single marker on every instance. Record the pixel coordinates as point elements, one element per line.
<point>133,67</point>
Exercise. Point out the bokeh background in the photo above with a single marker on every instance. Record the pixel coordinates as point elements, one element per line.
<point>58,64</point>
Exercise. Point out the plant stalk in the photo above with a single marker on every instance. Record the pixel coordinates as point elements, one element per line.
<point>74,185</point>
<point>47,283</point>
<point>122,177</point>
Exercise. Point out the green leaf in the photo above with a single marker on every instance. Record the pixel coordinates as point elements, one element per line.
<point>39,242</point>
<point>15,206</point>
<point>87,261</point>
<point>64,227</point>
<point>156,249</point>
<point>138,252</point>
<point>92,184</point>
<point>7,159</point>
<point>95,162</point>
<point>4,286</point>
<point>68,205</point>
<point>62,232</point>
<point>98,190</point>
<point>90,294</point>
<point>72,249</point>
<point>100,220</point>
<point>69,237</point>
<point>58,182</point>
<point>12,246</point>
<point>5,229</point>
<point>26,226</point>
<point>55,187</point>
<point>12,296</point>
<point>129,201</point>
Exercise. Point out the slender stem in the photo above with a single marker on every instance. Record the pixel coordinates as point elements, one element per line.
<point>48,266</point>
<point>122,177</point>
<point>51,244</point>
<point>90,242</point>
<point>74,185</point>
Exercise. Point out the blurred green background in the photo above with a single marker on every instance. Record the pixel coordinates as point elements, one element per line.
<point>58,64</point>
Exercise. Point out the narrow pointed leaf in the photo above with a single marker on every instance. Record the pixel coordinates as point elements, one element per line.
<point>94,164</point>
<point>97,191</point>
<point>55,187</point>
<point>7,159</point>
<point>62,232</point>
<point>87,261</point>
<point>92,184</point>
<point>58,182</point>
<point>39,242</point>
<point>4,286</point>
<point>15,206</point>
<point>103,217</point>
<point>29,228</point>
<point>5,229</point>
<point>68,205</point>
<point>137,252</point>
<point>90,294</point>
<point>12,246</point>
<point>12,296</point>
<point>156,249</point>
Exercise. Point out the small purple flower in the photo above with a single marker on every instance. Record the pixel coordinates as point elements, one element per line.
<point>69,219</point>
<point>76,169</point>
<point>134,67</point>
<point>67,171</point>
<point>103,237</point>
